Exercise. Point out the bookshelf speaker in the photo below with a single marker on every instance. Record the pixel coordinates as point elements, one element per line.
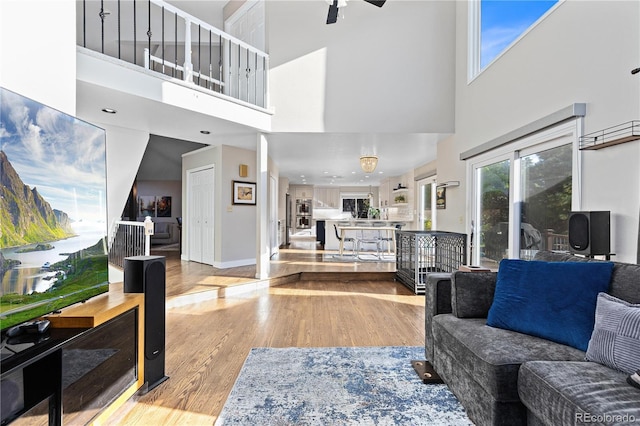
<point>589,233</point>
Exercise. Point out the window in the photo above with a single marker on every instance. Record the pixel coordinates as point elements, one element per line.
<point>495,25</point>
<point>356,204</point>
<point>522,195</point>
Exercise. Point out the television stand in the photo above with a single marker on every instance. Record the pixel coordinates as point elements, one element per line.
<point>103,336</point>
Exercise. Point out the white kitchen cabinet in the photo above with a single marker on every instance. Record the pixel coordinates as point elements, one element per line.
<point>326,198</point>
<point>303,192</point>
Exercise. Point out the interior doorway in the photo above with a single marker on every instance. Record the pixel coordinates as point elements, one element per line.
<point>199,225</point>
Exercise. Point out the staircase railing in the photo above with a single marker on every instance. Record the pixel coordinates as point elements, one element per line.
<point>165,39</point>
<point>129,238</point>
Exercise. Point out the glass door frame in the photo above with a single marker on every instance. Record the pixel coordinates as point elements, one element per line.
<point>555,136</point>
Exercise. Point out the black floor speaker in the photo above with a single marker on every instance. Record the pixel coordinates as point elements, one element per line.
<point>590,233</point>
<point>146,274</point>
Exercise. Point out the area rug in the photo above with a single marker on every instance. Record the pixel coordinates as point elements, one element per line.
<point>337,386</point>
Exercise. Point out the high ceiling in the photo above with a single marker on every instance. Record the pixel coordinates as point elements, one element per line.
<point>319,158</point>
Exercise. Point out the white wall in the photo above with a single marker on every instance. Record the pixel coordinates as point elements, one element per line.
<point>238,236</point>
<point>31,41</point>
<point>582,52</point>
<point>366,73</point>
<point>125,149</point>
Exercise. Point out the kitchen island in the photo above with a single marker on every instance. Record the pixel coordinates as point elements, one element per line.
<point>331,240</point>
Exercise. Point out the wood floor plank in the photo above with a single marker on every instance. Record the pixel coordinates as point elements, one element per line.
<point>207,342</point>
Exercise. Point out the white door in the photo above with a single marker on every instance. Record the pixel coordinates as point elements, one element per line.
<point>200,224</point>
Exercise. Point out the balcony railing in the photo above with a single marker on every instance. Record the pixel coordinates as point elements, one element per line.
<point>160,37</point>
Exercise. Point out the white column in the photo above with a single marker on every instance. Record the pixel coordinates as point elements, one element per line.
<point>262,224</point>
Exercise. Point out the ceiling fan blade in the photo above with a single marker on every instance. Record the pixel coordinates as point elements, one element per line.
<point>378,3</point>
<point>332,17</point>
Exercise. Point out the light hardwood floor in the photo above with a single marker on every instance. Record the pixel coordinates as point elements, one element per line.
<point>208,341</point>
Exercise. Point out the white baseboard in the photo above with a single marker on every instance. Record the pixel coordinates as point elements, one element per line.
<point>234,263</point>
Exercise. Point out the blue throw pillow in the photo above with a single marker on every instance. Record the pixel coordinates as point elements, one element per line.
<point>552,300</point>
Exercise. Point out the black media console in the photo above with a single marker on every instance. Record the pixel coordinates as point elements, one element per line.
<point>68,375</point>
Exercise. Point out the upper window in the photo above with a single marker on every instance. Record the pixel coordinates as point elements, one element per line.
<point>497,24</point>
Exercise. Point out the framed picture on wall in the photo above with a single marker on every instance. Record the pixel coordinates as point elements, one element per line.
<point>244,192</point>
<point>441,197</point>
<point>163,206</point>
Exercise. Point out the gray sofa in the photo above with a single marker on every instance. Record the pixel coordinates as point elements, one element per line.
<point>504,377</point>
<point>165,233</point>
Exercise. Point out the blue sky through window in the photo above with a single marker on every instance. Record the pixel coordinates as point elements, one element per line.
<point>503,21</point>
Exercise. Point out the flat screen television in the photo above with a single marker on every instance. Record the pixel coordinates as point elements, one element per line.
<point>53,248</point>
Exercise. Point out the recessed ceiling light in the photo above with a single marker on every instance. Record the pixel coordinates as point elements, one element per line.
<point>109,110</point>
<point>205,132</point>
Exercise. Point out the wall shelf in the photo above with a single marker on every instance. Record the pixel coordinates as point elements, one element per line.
<point>622,133</point>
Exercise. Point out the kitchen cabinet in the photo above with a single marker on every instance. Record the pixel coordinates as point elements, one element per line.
<point>326,198</point>
<point>303,192</point>
<point>383,194</point>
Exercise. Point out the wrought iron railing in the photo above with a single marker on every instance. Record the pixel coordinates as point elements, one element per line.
<point>165,39</point>
<point>129,239</point>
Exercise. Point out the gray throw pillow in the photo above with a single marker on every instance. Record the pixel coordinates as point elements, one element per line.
<point>615,341</point>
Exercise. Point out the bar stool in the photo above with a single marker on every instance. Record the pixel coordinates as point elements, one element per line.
<point>368,237</point>
<point>346,240</point>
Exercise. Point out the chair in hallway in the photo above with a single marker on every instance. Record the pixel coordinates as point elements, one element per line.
<point>346,240</point>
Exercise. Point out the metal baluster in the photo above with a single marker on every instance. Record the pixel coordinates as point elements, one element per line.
<point>135,55</point>
<point>162,39</point>
<point>119,39</point>
<point>220,65</point>
<point>149,33</point>
<point>210,86</point>
<point>247,72</point>
<point>102,15</point>
<point>84,23</point>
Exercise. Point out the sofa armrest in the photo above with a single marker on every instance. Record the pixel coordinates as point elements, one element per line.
<point>472,293</point>
<point>437,301</point>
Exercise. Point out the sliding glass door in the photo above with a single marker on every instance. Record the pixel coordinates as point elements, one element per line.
<point>522,195</point>
<point>492,230</point>
<point>545,189</point>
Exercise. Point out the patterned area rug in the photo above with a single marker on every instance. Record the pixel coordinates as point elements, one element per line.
<point>337,386</point>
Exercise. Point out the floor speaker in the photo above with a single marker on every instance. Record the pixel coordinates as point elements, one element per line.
<point>146,274</point>
<point>590,233</point>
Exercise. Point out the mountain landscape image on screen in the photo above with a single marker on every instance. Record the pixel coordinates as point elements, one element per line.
<point>53,249</point>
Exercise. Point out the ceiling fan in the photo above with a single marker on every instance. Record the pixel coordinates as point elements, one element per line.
<point>332,17</point>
